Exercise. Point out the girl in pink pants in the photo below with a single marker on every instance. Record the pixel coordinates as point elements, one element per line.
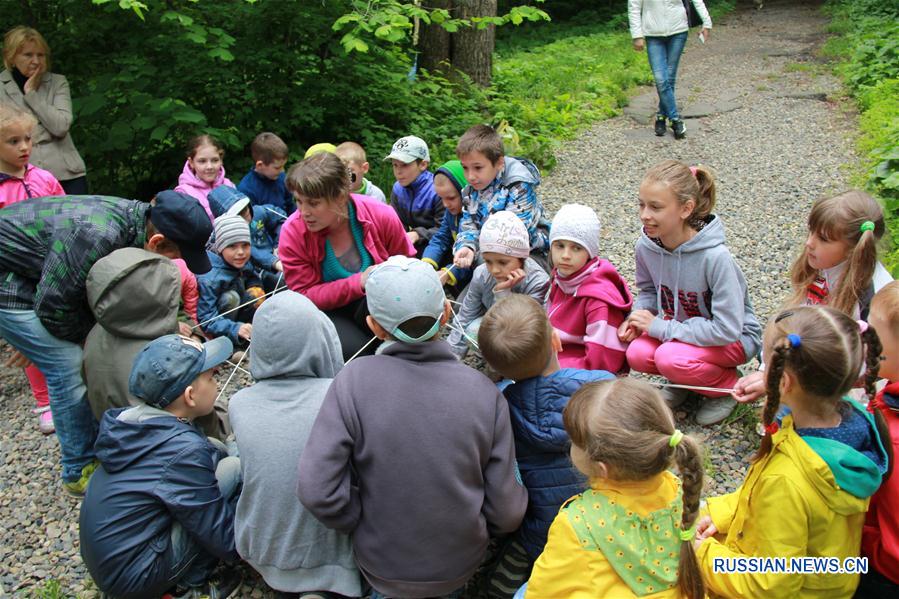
<point>692,321</point>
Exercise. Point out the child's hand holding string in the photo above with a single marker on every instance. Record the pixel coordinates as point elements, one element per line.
<point>245,331</point>
<point>464,258</point>
<point>513,279</point>
<point>750,387</point>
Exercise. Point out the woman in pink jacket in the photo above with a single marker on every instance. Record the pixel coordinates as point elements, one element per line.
<point>203,171</point>
<point>331,243</point>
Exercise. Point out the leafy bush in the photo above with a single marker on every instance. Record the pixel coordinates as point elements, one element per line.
<point>868,46</point>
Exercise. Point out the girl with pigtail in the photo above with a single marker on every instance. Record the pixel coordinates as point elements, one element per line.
<point>631,533</point>
<point>837,267</point>
<point>822,458</point>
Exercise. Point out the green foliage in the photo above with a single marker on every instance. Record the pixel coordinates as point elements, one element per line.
<point>49,589</point>
<point>393,21</point>
<point>868,47</point>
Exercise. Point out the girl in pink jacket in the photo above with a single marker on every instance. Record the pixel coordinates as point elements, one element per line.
<point>331,243</point>
<point>21,181</point>
<point>588,299</point>
<point>203,170</point>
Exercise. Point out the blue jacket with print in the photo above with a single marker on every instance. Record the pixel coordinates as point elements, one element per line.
<point>514,189</point>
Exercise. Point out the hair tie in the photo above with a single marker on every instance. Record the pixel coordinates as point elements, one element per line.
<point>772,428</point>
<point>795,340</point>
<point>688,534</point>
<point>862,326</point>
<point>868,225</point>
<point>693,170</point>
<point>676,436</point>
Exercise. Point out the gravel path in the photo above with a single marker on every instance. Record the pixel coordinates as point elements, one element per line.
<point>774,143</point>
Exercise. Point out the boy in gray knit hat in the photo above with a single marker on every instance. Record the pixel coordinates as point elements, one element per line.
<point>227,291</point>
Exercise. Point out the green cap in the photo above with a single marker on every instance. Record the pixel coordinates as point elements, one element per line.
<point>453,171</point>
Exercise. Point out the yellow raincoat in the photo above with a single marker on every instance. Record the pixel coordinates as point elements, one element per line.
<point>790,505</point>
<point>573,567</point>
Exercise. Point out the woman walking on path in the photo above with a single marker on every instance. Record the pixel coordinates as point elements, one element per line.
<point>661,27</point>
<point>27,82</point>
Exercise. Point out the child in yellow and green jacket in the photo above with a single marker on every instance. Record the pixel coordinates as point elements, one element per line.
<point>821,459</point>
<point>630,534</point>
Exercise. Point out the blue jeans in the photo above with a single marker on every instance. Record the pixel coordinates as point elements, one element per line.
<point>60,363</point>
<point>191,564</point>
<point>664,54</point>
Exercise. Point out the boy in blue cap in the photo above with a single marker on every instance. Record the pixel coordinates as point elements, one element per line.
<point>159,510</point>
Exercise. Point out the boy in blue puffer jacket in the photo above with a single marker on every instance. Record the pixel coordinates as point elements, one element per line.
<point>265,230</point>
<point>517,340</point>
<point>413,197</point>
<point>231,283</point>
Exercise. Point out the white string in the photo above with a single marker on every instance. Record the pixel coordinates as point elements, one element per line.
<point>233,372</point>
<point>361,349</point>
<point>694,388</point>
<point>252,301</point>
<point>459,328</point>
<point>243,370</point>
<point>275,212</point>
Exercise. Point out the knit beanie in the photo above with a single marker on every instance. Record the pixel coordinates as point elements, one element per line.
<point>229,230</point>
<point>452,170</point>
<point>504,233</point>
<point>577,223</point>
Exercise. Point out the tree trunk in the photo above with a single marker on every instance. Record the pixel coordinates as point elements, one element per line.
<point>434,42</point>
<point>472,48</point>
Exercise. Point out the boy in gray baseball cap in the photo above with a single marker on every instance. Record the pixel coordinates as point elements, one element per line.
<point>159,510</point>
<point>413,197</point>
<point>412,451</point>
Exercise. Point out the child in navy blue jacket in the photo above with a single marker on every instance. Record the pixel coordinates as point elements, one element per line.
<point>266,184</point>
<point>230,283</point>
<point>413,197</point>
<point>265,230</point>
<point>159,510</point>
<point>517,340</point>
<point>449,181</point>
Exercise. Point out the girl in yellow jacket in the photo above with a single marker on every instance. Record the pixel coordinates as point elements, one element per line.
<point>630,534</point>
<point>821,459</point>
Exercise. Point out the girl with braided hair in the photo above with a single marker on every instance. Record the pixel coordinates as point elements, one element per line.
<point>631,533</point>
<point>822,458</point>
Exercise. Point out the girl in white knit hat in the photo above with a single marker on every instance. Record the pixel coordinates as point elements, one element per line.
<point>507,268</point>
<point>588,299</point>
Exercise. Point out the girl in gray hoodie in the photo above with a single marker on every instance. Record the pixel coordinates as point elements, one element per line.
<point>693,321</point>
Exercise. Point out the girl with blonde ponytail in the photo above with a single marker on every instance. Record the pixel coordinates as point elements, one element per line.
<point>822,458</point>
<point>631,533</point>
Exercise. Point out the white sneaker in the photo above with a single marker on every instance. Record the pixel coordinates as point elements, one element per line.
<point>715,409</point>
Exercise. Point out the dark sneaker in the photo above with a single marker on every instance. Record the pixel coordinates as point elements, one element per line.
<point>221,586</point>
<point>661,125</point>
<point>680,129</point>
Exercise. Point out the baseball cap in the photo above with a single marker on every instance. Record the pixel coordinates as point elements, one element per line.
<point>166,366</point>
<point>227,200</point>
<point>400,289</point>
<point>319,148</point>
<point>409,148</point>
<point>182,219</point>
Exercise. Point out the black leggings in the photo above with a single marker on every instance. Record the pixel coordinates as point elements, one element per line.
<point>352,329</point>
<point>75,187</point>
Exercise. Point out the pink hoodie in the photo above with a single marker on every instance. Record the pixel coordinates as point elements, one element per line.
<point>301,252</point>
<point>586,310</point>
<point>35,184</point>
<point>193,186</point>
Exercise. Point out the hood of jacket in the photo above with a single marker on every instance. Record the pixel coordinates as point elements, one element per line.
<point>188,178</point>
<point>842,477</point>
<point>293,339</point>
<point>134,293</point>
<point>519,170</point>
<point>598,279</point>
<point>122,443</point>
